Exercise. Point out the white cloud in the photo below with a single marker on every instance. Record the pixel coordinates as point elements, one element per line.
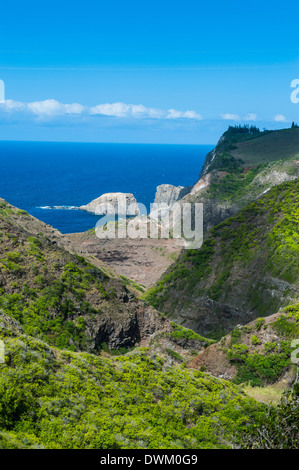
<point>280,118</point>
<point>74,108</point>
<point>142,111</point>
<point>250,117</point>
<point>126,110</point>
<point>54,108</point>
<point>174,114</point>
<point>111,109</point>
<point>11,105</point>
<point>51,108</point>
<point>42,108</point>
<point>47,107</point>
<point>237,117</point>
<point>192,115</point>
<point>231,117</point>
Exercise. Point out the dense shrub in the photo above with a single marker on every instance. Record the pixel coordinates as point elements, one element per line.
<point>60,399</point>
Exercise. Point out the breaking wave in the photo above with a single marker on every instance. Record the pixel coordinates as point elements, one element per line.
<point>67,208</point>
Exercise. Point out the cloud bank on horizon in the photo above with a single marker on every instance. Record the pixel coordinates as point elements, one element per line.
<point>50,109</point>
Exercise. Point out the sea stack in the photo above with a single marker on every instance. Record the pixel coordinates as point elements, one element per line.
<point>113,204</point>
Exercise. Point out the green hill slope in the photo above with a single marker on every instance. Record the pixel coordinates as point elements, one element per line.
<point>259,352</point>
<point>270,146</point>
<point>247,146</point>
<point>52,398</point>
<point>55,309</point>
<point>243,166</point>
<point>247,267</point>
<point>59,297</point>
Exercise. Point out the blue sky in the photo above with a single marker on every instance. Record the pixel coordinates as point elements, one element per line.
<point>158,72</point>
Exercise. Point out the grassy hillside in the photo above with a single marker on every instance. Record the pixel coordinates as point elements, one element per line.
<point>241,147</point>
<point>243,169</point>
<point>60,298</point>
<point>54,398</point>
<point>268,147</point>
<point>244,165</point>
<point>247,267</point>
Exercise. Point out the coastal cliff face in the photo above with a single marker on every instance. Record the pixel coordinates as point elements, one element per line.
<point>223,194</point>
<point>168,194</point>
<point>166,197</point>
<point>244,165</point>
<point>113,203</point>
<point>249,147</point>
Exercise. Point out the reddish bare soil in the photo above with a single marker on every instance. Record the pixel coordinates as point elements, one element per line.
<point>142,260</point>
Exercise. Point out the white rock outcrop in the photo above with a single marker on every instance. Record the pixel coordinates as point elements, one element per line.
<point>202,183</point>
<point>168,194</point>
<point>113,204</point>
<point>164,204</point>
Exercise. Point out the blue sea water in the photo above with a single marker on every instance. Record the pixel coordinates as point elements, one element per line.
<point>36,176</point>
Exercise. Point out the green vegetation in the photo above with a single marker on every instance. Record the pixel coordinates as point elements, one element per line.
<point>269,394</point>
<point>10,264</point>
<point>259,368</point>
<point>235,336</point>
<point>130,282</point>
<point>174,355</point>
<point>181,333</point>
<point>259,323</point>
<point>55,311</point>
<point>65,384</point>
<point>235,184</point>
<point>277,428</point>
<point>180,275</point>
<point>60,399</point>
<point>244,147</point>
<point>273,358</point>
<point>255,340</point>
<point>242,254</point>
<point>269,146</point>
<point>115,352</point>
<point>56,297</point>
<point>288,326</point>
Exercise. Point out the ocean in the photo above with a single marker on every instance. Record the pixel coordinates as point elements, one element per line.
<point>51,179</point>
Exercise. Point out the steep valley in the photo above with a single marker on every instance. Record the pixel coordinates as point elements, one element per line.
<point>141,344</point>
